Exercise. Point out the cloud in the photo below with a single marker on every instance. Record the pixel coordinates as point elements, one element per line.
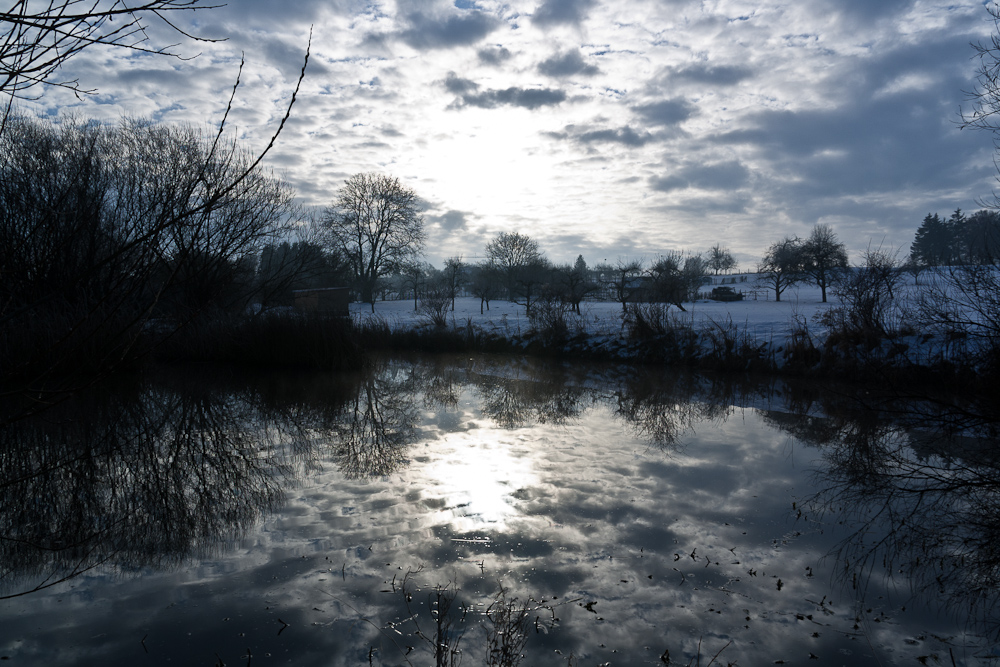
<point>718,176</point>
<point>427,32</point>
<point>567,64</point>
<point>622,135</point>
<point>665,112</point>
<point>528,98</point>
<point>561,12</point>
<point>451,220</point>
<point>493,55</point>
<point>714,75</point>
<point>584,135</point>
<point>459,86</point>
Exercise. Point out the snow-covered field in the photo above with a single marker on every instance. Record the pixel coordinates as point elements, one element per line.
<point>765,319</point>
<point>763,322</point>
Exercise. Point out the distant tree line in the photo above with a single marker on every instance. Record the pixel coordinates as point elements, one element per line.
<point>960,239</point>
<point>515,269</point>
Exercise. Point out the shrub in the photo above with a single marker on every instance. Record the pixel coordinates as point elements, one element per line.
<point>869,293</point>
<point>547,318</point>
<point>660,335</point>
<point>434,308</point>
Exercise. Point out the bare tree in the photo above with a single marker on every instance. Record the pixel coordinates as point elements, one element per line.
<point>413,276</point>
<point>575,283</point>
<point>37,38</point>
<point>782,265</point>
<point>511,253</point>
<point>105,228</point>
<point>824,255</point>
<point>868,294</point>
<point>485,284</point>
<point>675,278</point>
<point>453,277</point>
<point>720,259</point>
<point>621,278</point>
<point>376,225</point>
<point>984,110</point>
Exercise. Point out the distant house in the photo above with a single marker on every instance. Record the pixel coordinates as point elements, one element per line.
<point>326,300</point>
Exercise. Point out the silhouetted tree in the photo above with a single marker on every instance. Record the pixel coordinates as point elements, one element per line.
<point>622,278</point>
<point>575,283</point>
<point>511,253</point>
<point>36,39</point>
<point>720,259</point>
<point>453,277</point>
<point>824,255</point>
<point>486,284</point>
<point>106,227</point>
<point>932,244</point>
<point>376,225</point>
<point>978,240</point>
<point>296,265</point>
<point>675,278</point>
<point>529,282</point>
<point>782,265</point>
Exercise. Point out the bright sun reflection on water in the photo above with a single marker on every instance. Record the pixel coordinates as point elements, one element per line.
<point>476,474</point>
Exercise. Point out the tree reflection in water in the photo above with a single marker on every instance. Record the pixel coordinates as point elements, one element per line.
<point>141,476</point>
<point>159,472</point>
<point>663,406</point>
<point>371,436</point>
<point>922,500</point>
<point>514,393</point>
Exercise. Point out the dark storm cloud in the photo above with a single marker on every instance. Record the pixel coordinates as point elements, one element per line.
<point>718,176</point>
<point>430,33</point>
<point>567,64</point>
<point>528,98</point>
<point>451,220</point>
<point>426,32</point>
<point>561,12</point>
<point>493,55</point>
<point>719,75</point>
<point>585,135</point>
<point>622,135</point>
<point>666,112</point>
<point>459,86</point>
<point>893,129</point>
<point>895,142</point>
<point>867,10</point>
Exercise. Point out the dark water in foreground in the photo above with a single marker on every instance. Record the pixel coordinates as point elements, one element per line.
<point>483,509</point>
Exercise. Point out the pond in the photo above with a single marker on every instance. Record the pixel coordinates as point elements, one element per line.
<point>496,510</point>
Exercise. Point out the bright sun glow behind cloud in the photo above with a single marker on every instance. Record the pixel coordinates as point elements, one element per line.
<point>605,128</point>
<point>486,166</point>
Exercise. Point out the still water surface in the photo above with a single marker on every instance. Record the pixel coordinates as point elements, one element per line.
<point>494,510</point>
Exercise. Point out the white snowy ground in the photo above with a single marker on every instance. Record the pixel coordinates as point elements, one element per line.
<point>764,318</point>
<point>767,322</point>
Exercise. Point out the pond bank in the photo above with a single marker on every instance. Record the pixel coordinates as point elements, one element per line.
<point>789,339</point>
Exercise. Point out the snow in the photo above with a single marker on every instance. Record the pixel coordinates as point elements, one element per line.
<point>769,324</point>
<point>764,318</point>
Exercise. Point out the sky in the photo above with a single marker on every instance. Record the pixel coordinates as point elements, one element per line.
<point>607,129</point>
